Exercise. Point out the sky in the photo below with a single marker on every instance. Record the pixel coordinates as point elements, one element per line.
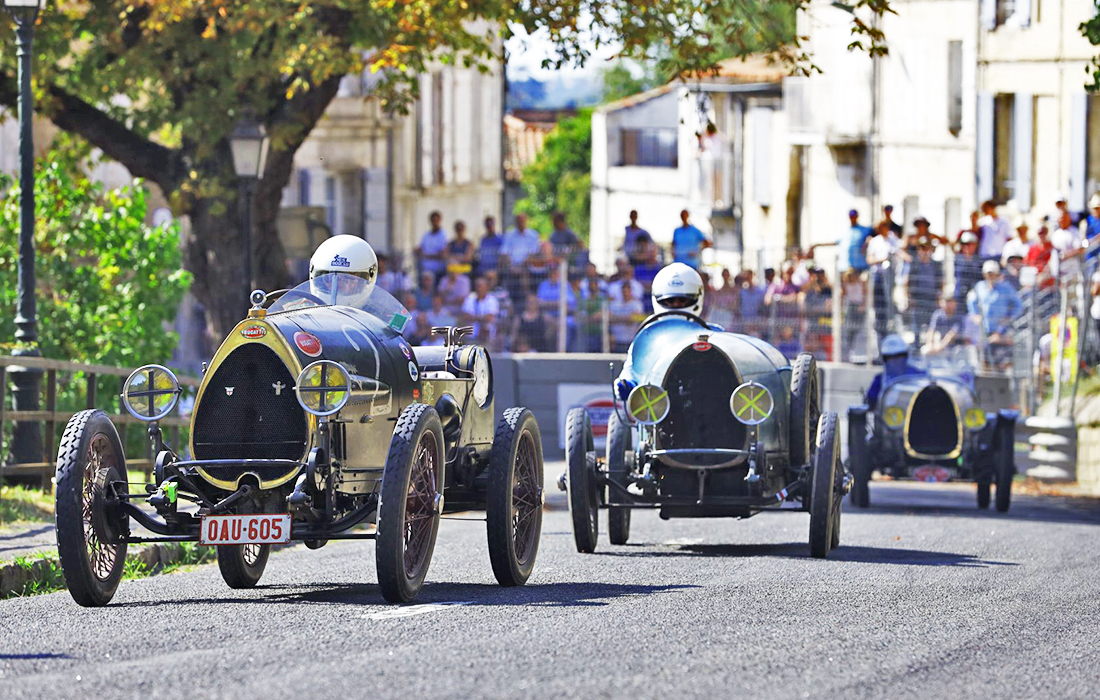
<point>526,53</point>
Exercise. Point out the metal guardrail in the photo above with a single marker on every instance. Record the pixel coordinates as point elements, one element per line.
<point>52,417</point>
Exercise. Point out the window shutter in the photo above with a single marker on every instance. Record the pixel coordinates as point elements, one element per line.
<point>1023,146</point>
<point>1022,12</point>
<point>376,206</point>
<point>304,183</point>
<point>1078,153</point>
<point>984,171</point>
<point>761,156</point>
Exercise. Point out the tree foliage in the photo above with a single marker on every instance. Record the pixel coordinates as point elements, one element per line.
<point>558,179</point>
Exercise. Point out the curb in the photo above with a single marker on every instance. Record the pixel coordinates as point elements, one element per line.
<point>14,578</point>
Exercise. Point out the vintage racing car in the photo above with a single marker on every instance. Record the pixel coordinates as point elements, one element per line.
<point>717,425</point>
<point>314,416</point>
<point>929,426</point>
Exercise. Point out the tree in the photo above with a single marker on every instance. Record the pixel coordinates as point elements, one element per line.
<point>158,85</point>
<point>558,179</point>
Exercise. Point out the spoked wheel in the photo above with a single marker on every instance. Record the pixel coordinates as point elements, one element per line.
<point>242,565</point>
<point>1005,464</point>
<point>513,504</point>
<point>91,525</point>
<point>805,409</point>
<point>858,458</point>
<point>618,471</point>
<point>825,492</point>
<point>411,503</point>
<point>581,481</point>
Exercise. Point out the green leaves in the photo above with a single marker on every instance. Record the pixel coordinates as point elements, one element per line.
<point>559,179</point>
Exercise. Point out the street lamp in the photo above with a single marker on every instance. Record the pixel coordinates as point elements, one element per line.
<point>249,145</point>
<point>27,438</point>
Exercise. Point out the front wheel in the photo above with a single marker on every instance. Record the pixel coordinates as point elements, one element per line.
<point>91,526</point>
<point>1005,457</point>
<point>581,481</point>
<point>242,565</point>
<point>825,497</point>
<point>618,471</point>
<point>411,503</point>
<point>858,458</point>
<point>513,503</point>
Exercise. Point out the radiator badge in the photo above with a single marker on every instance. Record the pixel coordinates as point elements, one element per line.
<point>229,390</point>
<point>278,387</point>
<point>701,346</point>
<point>414,373</point>
<point>308,343</point>
<point>254,332</point>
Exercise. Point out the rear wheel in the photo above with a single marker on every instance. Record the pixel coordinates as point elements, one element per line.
<point>581,481</point>
<point>618,471</point>
<point>91,526</point>
<point>242,565</point>
<point>983,494</point>
<point>513,504</point>
<point>825,496</point>
<point>411,503</point>
<point>805,409</point>
<point>1005,456</point>
<point>858,459</point>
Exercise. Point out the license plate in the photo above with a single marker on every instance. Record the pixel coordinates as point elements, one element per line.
<point>931,473</point>
<point>245,529</point>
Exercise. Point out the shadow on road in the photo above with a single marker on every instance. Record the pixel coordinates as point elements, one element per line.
<point>1043,509</point>
<point>32,657</point>
<point>478,594</point>
<point>799,550</point>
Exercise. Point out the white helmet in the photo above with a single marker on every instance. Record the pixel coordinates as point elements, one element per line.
<point>344,255</point>
<point>678,287</point>
<point>892,345</point>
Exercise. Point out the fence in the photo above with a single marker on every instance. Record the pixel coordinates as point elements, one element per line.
<point>54,420</point>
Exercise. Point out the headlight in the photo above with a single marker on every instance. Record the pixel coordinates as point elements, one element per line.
<point>751,403</point>
<point>648,404</point>
<point>894,416</point>
<point>151,392</point>
<point>974,418</point>
<point>323,388</point>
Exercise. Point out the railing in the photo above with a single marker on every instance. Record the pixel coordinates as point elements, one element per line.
<point>53,418</point>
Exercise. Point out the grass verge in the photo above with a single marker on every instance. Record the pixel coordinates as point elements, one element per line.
<point>19,504</point>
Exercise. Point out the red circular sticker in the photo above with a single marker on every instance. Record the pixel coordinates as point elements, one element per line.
<point>254,332</point>
<point>701,346</point>
<point>307,343</point>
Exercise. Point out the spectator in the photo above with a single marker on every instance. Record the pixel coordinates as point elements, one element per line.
<point>888,217</point>
<point>540,263</point>
<point>624,278</point>
<point>591,275</point>
<point>415,331</point>
<point>590,310</point>
<point>782,297</point>
<point>803,261</point>
<point>460,250</point>
<point>455,286</point>
<point>788,343</point>
<point>567,245</point>
<point>994,233</point>
<point>880,256</point>
<point>925,277</point>
<point>923,230</point>
<point>852,244</point>
<point>945,327</point>
<point>520,243</point>
<point>1021,245</point>
<point>425,291</point>
<point>626,312</point>
<point>968,266</point>
<point>752,302</point>
<point>1012,271</point>
<point>436,317</point>
<point>1092,227</point>
<point>997,305</point>
<point>488,251</point>
<point>530,329</point>
<point>724,303</point>
<point>649,264</point>
<point>854,294</point>
<point>688,242</point>
<point>817,309</point>
<point>974,227</point>
<point>769,276</point>
<point>481,310</point>
<point>1070,246</point>
<point>1039,256</point>
<point>549,295</point>
<point>393,281</point>
<point>630,240</point>
<point>433,247</point>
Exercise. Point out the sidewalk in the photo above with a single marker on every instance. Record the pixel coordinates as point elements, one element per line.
<point>27,538</point>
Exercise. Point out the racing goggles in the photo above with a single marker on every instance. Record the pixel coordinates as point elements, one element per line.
<point>678,301</point>
<point>346,282</point>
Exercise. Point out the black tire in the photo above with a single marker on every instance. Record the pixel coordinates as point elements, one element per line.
<point>242,565</point>
<point>805,409</point>
<point>90,456</point>
<point>581,481</point>
<point>414,463</point>
<point>859,459</point>
<point>514,498</point>
<point>1005,456</point>
<point>618,471</point>
<point>983,494</point>
<point>824,501</point>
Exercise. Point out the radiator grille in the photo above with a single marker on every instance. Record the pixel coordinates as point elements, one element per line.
<point>699,385</point>
<point>934,423</point>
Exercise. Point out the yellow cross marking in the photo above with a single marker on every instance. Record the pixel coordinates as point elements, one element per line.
<point>750,402</point>
<point>650,403</point>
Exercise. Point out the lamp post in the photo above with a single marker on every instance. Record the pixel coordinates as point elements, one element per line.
<point>249,145</point>
<point>27,437</point>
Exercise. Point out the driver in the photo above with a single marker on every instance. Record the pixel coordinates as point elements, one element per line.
<point>895,360</point>
<point>676,287</point>
<point>343,271</point>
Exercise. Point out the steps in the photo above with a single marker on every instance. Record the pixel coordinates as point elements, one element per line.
<point>1051,448</point>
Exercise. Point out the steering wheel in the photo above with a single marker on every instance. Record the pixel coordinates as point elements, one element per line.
<point>282,300</point>
<point>674,312</point>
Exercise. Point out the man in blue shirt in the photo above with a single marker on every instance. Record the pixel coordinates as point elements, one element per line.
<point>688,243</point>
<point>852,244</point>
<point>895,363</point>
<point>995,301</point>
<point>488,253</point>
<point>1092,227</point>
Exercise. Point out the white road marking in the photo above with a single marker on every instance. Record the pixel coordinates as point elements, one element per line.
<point>684,541</point>
<point>410,610</point>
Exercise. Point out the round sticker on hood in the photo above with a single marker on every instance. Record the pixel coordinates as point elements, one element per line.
<point>308,343</point>
<point>405,349</point>
<point>414,373</point>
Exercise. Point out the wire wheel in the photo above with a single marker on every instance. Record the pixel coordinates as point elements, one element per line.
<point>513,497</point>
<point>421,506</point>
<point>526,499</point>
<point>100,459</point>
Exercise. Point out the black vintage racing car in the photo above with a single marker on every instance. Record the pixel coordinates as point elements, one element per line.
<point>313,417</point>
<point>718,425</point>
<point>928,426</point>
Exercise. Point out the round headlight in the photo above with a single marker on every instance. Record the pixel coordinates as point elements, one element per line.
<point>483,377</point>
<point>323,388</point>
<point>648,404</point>
<point>751,403</point>
<point>151,392</point>
<point>974,418</point>
<point>893,416</point>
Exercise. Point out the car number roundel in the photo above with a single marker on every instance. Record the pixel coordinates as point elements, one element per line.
<point>308,343</point>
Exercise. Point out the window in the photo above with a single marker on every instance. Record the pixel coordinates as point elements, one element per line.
<point>330,204</point>
<point>1003,151</point>
<point>997,13</point>
<point>954,86</point>
<point>303,187</point>
<point>653,147</point>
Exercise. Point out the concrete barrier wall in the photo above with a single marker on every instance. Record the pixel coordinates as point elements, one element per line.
<point>533,381</point>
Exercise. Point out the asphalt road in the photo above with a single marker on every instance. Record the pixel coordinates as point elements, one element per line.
<point>926,597</point>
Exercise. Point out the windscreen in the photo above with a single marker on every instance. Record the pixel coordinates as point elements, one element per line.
<point>340,289</point>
